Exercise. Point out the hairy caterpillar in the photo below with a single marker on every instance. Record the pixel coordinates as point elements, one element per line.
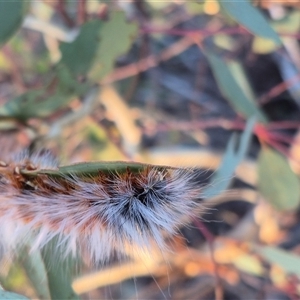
<point>99,213</point>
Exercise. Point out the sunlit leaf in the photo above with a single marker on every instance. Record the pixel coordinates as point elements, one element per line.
<point>229,79</point>
<point>232,157</point>
<point>262,45</point>
<point>251,17</point>
<point>225,41</point>
<point>276,181</point>
<point>288,261</point>
<point>11,16</point>
<point>249,264</point>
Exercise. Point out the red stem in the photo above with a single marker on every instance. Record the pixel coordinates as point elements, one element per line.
<point>81,12</point>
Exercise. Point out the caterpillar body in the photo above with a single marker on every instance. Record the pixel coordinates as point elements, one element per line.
<point>99,213</point>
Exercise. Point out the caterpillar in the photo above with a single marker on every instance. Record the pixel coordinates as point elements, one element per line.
<point>99,212</point>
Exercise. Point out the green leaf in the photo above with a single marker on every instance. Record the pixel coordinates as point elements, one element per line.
<point>60,272</point>
<point>287,261</point>
<point>11,296</point>
<point>11,16</point>
<point>116,38</point>
<point>93,168</point>
<point>222,178</point>
<point>34,103</point>
<point>79,55</point>
<point>289,24</point>
<point>42,102</point>
<point>36,272</point>
<point>276,181</point>
<point>233,84</point>
<point>98,45</point>
<point>249,16</point>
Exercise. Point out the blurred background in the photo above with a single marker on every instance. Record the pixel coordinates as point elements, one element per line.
<point>210,84</point>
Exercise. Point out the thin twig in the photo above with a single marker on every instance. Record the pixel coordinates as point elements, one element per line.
<point>210,241</point>
<point>279,89</point>
<point>149,62</point>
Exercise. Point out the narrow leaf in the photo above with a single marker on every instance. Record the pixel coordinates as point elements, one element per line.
<point>93,168</point>
<point>276,181</point>
<point>249,16</point>
<point>36,272</point>
<point>288,261</point>
<point>239,96</point>
<point>222,178</point>
<point>60,272</point>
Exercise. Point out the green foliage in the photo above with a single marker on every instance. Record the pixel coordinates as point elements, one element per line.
<point>229,77</point>
<point>36,271</point>
<point>91,168</point>
<point>60,271</point>
<point>232,157</point>
<point>276,181</point>
<point>116,29</point>
<point>11,17</point>
<point>80,55</point>
<point>245,14</point>
<point>286,260</point>
<point>95,50</point>
<point>51,91</point>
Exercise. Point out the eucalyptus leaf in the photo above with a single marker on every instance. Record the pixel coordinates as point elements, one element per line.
<point>60,271</point>
<point>251,17</point>
<point>79,55</point>
<point>98,45</point>
<point>93,168</point>
<point>288,261</point>
<point>35,269</point>
<point>276,181</point>
<point>116,38</point>
<point>11,17</point>
<point>224,175</point>
<point>289,24</point>
<point>230,79</point>
<point>34,104</point>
